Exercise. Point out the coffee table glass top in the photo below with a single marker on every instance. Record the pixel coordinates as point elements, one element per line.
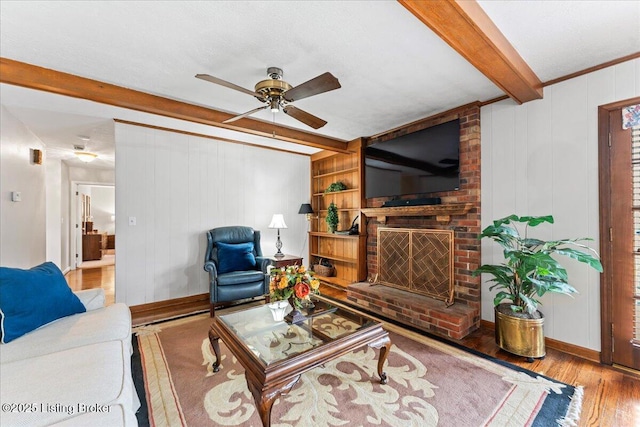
<point>273,341</point>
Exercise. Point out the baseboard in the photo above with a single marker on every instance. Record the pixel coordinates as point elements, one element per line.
<point>574,350</point>
<point>168,308</point>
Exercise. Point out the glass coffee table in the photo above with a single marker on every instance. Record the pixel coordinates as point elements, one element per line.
<point>275,353</point>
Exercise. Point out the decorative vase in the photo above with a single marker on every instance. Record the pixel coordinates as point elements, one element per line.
<point>278,309</point>
<point>295,316</point>
<point>522,337</point>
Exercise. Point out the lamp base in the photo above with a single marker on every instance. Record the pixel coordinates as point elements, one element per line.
<point>279,255</point>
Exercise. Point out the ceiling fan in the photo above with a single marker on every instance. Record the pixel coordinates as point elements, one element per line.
<point>277,94</point>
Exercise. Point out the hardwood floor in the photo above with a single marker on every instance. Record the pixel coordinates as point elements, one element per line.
<point>89,278</point>
<point>611,394</point>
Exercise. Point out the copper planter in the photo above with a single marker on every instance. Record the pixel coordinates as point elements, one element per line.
<point>523,337</point>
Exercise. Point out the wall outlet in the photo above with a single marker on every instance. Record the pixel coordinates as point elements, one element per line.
<point>16,196</point>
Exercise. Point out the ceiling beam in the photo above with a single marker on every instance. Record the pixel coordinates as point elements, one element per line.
<point>34,77</point>
<point>465,26</point>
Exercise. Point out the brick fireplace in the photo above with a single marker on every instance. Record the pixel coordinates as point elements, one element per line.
<point>424,312</point>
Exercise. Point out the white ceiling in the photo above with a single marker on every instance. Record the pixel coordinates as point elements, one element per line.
<point>392,68</point>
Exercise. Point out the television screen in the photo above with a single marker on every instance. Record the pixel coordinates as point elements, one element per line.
<point>426,161</point>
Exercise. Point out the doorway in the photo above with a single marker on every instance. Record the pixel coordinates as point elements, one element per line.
<point>94,237</point>
<point>95,234</point>
<point>619,163</point>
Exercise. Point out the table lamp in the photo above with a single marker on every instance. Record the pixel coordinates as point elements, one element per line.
<point>277,222</point>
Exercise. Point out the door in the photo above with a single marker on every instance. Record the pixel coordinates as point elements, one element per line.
<point>620,213</point>
<point>79,224</point>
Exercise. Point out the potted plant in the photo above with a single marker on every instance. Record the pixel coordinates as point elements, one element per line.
<point>529,271</point>
<point>335,187</point>
<point>332,218</point>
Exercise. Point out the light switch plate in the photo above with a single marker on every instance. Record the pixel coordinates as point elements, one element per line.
<point>132,220</point>
<point>16,196</point>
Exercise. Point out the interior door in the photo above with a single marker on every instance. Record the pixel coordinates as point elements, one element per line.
<point>621,280</point>
<point>80,207</point>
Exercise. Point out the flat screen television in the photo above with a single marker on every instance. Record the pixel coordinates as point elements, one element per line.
<point>426,161</point>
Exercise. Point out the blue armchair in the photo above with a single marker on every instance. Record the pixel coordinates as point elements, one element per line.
<point>237,270</point>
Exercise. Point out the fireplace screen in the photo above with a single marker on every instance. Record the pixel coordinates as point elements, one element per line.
<point>417,260</point>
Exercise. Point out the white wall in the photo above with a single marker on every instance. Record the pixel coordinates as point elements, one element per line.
<point>542,158</point>
<point>177,187</point>
<point>66,217</point>
<point>92,176</point>
<point>103,201</point>
<point>22,224</point>
<point>103,198</point>
<point>54,221</point>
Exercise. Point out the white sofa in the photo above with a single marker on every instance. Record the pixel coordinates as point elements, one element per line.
<point>75,371</point>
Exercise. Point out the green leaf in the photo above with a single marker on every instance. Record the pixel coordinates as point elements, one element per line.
<point>529,305</point>
<point>501,296</point>
<point>501,273</point>
<point>506,220</point>
<point>582,257</point>
<point>533,221</point>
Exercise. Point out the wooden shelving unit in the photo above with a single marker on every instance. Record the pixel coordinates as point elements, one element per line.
<point>346,252</point>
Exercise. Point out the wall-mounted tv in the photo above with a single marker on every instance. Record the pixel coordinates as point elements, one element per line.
<point>426,161</point>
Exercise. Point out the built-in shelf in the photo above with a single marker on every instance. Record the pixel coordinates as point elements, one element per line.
<point>337,172</point>
<point>443,212</point>
<point>335,235</point>
<point>347,253</point>
<point>334,257</point>
<point>349,190</point>
<point>342,210</point>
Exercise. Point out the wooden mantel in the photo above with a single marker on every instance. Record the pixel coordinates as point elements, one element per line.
<point>442,212</point>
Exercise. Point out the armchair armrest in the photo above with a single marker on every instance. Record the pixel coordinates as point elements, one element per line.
<point>92,299</point>
<point>210,266</point>
<point>264,263</point>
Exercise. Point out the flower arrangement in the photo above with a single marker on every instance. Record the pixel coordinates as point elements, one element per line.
<point>293,281</point>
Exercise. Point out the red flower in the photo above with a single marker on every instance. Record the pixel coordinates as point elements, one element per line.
<point>302,290</point>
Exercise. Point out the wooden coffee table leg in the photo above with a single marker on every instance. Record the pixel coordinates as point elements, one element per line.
<point>264,398</point>
<point>213,339</point>
<point>384,345</point>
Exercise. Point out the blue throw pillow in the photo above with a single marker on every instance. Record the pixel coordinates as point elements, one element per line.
<point>235,257</point>
<point>32,298</point>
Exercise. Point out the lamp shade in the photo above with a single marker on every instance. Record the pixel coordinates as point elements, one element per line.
<point>277,221</point>
<point>305,208</point>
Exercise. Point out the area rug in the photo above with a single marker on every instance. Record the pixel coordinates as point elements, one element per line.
<point>431,383</point>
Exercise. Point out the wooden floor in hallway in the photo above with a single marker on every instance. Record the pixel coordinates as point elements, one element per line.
<point>99,277</point>
<point>611,394</point>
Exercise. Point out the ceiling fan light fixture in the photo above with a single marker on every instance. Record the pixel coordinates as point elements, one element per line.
<point>274,105</point>
<point>274,94</point>
<point>85,156</point>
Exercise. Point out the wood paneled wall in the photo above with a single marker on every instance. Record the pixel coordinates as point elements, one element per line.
<point>540,158</point>
<point>178,186</point>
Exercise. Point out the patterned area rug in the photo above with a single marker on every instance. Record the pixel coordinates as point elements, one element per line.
<point>430,384</point>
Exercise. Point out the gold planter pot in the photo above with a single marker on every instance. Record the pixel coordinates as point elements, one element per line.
<point>523,337</point>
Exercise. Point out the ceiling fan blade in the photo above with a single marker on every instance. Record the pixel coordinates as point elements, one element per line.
<point>225,83</point>
<point>248,113</point>
<point>323,83</point>
<point>304,117</point>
